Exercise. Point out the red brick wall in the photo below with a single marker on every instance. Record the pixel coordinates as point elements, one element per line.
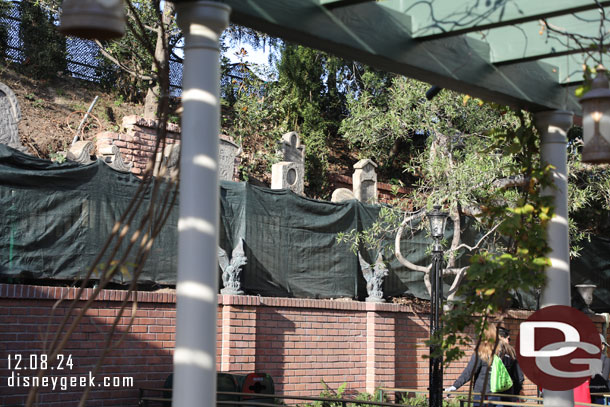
<point>299,342</point>
<point>26,315</point>
<point>137,142</point>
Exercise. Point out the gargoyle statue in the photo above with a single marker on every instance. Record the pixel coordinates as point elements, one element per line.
<point>232,269</point>
<point>374,278</point>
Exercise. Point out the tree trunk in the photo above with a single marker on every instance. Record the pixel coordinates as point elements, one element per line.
<point>151,103</point>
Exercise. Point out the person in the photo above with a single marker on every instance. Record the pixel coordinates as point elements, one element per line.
<point>509,357</point>
<point>599,381</point>
<point>480,363</point>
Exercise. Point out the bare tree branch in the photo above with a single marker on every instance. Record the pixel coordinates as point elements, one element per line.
<point>115,61</point>
<point>457,236</point>
<point>476,246</point>
<point>406,221</point>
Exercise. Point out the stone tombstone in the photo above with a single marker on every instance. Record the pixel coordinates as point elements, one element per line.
<point>365,181</point>
<point>290,172</point>
<point>10,115</point>
<point>342,195</point>
<point>227,152</point>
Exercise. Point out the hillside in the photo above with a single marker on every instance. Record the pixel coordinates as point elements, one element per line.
<point>52,110</point>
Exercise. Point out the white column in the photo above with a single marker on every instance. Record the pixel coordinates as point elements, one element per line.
<point>553,126</point>
<point>197,285</point>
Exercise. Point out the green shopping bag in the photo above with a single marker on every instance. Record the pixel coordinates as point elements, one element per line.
<point>500,378</point>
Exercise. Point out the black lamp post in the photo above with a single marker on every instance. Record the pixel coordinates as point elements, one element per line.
<point>437,220</point>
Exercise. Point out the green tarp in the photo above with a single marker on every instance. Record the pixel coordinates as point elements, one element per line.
<point>57,217</point>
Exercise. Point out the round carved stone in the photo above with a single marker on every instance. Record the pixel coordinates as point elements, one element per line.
<point>291,176</point>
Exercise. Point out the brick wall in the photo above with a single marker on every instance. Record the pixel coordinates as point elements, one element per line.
<point>26,316</point>
<point>299,342</point>
<point>137,142</point>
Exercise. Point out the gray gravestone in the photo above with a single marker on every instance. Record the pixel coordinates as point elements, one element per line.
<point>290,172</point>
<point>365,181</point>
<point>226,159</point>
<point>342,195</point>
<point>10,114</point>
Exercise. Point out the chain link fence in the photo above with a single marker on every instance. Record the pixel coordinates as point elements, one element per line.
<point>83,58</point>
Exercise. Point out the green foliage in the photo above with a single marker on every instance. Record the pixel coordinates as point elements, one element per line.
<point>311,105</point>
<point>307,97</point>
<point>389,113</point>
<point>379,237</point>
<point>58,157</point>
<point>493,274</point>
<point>422,401</point>
<point>329,393</point>
<point>5,6</point>
<point>125,64</point>
<point>588,195</point>
<point>43,47</point>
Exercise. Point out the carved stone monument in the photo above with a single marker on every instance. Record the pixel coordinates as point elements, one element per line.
<point>111,154</point>
<point>374,278</point>
<point>81,152</point>
<point>227,152</point>
<point>10,115</point>
<point>290,172</point>
<point>342,195</point>
<point>365,181</point>
<point>231,269</point>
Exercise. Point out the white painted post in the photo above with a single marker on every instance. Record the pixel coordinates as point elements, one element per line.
<point>197,286</point>
<point>553,126</point>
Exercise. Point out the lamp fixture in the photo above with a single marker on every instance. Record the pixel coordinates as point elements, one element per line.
<point>596,120</point>
<point>93,19</point>
<point>438,221</point>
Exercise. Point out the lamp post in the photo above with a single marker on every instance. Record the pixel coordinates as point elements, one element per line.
<point>437,220</point>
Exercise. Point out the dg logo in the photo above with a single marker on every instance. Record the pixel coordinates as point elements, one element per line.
<point>558,348</point>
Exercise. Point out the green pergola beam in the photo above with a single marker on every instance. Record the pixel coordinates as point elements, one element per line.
<point>459,63</point>
<point>514,21</point>
<point>333,4</point>
<point>380,34</point>
<point>540,56</point>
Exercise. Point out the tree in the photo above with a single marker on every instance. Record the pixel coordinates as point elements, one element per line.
<point>308,96</point>
<point>475,159</point>
<point>44,48</point>
<point>128,64</point>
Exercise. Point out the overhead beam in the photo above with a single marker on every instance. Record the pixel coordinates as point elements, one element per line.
<point>514,21</point>
<point>541,56</point>
<point>343,3</point>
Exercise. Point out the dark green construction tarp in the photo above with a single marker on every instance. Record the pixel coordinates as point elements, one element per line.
<point>292,249</point>
<point>58,216</point>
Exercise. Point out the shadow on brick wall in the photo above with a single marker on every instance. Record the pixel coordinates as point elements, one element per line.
<point>274,345</point>
<point>410,335</point>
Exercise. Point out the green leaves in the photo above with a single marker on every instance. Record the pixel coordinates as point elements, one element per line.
<point>494,274</point>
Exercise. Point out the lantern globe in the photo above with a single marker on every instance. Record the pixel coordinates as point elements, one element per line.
<point>596,120</point>
<point>93,19</point>
<point>437,221</point>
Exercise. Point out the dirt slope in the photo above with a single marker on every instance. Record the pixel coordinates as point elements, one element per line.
<point>52,110</point>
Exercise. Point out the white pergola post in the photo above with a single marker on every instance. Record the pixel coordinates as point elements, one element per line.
<point>197,286</point>
<point>553,126</point>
